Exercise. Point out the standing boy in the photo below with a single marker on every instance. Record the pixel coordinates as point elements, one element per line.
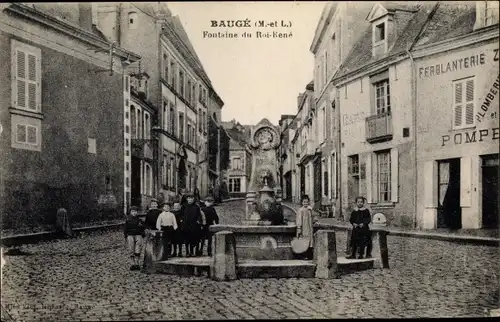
<point>360,219</point>
<point>168,225</point>
<point>211,218</point>
<point>134,233</point>
<point>192,224</point>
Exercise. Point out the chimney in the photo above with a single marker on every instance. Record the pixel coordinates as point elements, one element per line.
<point>85,15</point>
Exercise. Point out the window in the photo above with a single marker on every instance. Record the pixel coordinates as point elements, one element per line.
<point>26,132</point>
<point>463,103</point>
<point>189,91</point>
<point>26,77</point>
<point>234,184</point>
<point>193,94</point>
<point>165,67</point>
<point>204,121</point>
<point>181,126</point>
<point>380,32</point>
<point>171,165</point>
<point>147,126</point>
<point>172,119</point>
<point>236,163</point>
<point>165,115</point>
<point>200,94</point>
<point>354,165</point>
<point>200,122</point>
<point>382,97</point>
<point>133,122</point>
<point>132,20</point>
<point>491,15</point>
<point>181,83</point>
<point>323,125</point>
<point>325,178</point>
<point>165,170</point>
<point>189,134</point>
<point>384,176</point>
<point>172,78</point>
<point>140,124</point>
<point>91,146</point>
<point>107,183</point>
<point>148,176</point>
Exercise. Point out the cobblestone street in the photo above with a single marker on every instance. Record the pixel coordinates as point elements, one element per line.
<point>89,279</point>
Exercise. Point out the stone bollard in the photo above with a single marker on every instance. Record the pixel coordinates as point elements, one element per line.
<point>325,254</point>
<point>380,249</point>
<point>223,266</point>
<point>348,242</point>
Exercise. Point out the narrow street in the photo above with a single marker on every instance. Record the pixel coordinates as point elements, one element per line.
<point>89,279</point>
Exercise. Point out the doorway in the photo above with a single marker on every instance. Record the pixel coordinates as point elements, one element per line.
<point>317,182</point>
<point>302,181</point>
<point>135,182</point>
<point>288,185</point>
<point>490,198</point>
<point>449,212</point>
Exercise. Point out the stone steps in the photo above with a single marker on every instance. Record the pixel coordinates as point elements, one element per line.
<point>198,266</point>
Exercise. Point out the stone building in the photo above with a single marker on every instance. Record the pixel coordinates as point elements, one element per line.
<point>65,123</point>
<point>288,126</point>
<point>456,80</point>
<point>179,90</point>
<point>304,143</point>
<point>237,174</point>
<point>415,111</point>
<point>340,26</point>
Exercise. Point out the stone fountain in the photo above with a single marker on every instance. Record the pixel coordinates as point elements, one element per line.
<point>263,234</point>
<point>263,202</point>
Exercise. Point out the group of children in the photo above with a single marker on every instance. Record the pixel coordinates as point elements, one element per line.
<point>360,219</point>
<point>183,223</point>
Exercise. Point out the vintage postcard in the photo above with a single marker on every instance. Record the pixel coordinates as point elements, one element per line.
<point>249,160</point>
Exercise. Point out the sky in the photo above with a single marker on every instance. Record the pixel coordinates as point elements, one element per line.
<point>255,77</point>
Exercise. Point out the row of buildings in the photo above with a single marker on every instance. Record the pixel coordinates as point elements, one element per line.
<point>105,105</point>
<point>403,110</point>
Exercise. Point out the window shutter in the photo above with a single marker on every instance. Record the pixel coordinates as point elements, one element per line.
<point>469,102</point>
<point>394,175</point>
<point>21,79</point>
<point>369,184</point>
<point>458,104</point>
<point>430,192</point>
<point>466,182</point>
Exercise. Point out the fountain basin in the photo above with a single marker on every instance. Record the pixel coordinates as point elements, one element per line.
<point>261,242</point>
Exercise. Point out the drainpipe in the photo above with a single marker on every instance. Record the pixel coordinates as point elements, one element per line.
<point>338,155</point>
<point>414,121</point>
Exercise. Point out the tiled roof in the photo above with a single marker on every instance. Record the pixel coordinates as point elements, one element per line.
<point>238,138</point>
<point>408,26</point>
<point>176,25</point>
<point>449,21</point>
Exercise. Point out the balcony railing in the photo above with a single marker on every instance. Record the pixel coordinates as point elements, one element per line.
<point>379,127</point>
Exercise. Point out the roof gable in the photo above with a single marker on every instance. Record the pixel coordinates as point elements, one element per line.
<point>377,11</point>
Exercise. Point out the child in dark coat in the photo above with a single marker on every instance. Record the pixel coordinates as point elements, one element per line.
<point>134,234</point>
<point>192,224</point>
<point>178,234</point>
<point>360,219</point>
<point>211,218</point>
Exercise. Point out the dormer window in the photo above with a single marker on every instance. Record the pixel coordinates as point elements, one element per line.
<point>132,20</point>
<point>486,14</point>
<point>380,32</point>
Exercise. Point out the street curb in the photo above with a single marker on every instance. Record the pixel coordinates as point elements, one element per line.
<point>21,239</point>
<point>476,240</point>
